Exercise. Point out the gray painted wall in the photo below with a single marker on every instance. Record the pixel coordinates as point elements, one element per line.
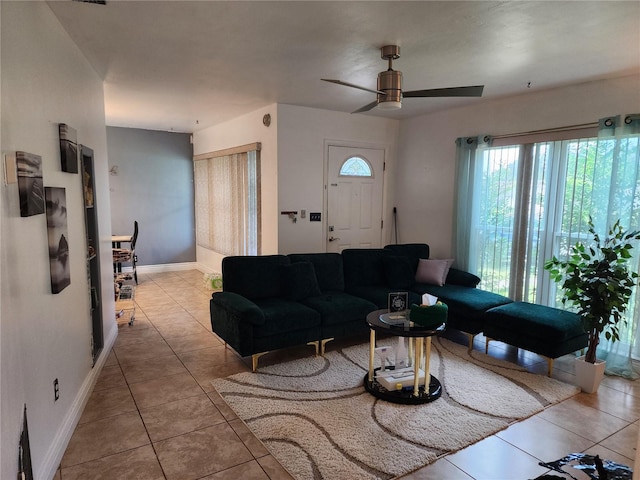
<point>153,185</point>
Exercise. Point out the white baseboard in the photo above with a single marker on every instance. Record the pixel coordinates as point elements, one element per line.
<point>61,440</point>
<point>166,267</point>
<point>205,269</point>
<point>170,267</point>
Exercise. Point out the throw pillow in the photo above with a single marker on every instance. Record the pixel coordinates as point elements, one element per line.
<point>398,271</point>
<point>299,281</point>
<point>433,271</point>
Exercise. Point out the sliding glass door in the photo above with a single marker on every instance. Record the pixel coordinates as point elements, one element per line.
<point>532,201</point>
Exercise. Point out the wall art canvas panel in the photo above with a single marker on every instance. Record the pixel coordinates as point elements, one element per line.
<point>24,451</point>
<point>68,148</point>
<point>30,184</point>
<point>58,244</point>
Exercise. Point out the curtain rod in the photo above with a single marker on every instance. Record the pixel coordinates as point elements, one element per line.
<point>548,130</point>
<point>229,151</point>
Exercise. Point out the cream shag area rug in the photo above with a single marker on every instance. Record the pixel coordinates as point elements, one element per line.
<point>316,419</point>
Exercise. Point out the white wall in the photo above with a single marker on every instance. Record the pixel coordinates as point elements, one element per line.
<point>425,182</point>
<point>293,168</point>
<point>303,136</point>
<point>241,131</point>
<point>46,80</point>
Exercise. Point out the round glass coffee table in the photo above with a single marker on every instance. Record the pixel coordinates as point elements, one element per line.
<point>389,386</point>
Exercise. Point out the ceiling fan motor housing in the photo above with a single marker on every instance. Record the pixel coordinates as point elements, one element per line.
<point>390,82</point>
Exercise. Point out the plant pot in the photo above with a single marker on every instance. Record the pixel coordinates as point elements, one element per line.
<point>589,375</point>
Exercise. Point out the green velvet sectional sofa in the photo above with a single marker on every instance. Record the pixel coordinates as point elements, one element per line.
<point>278,301</point>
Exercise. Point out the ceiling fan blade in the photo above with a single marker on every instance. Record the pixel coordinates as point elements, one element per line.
<point>347,84</point>
<point>367,107</point>
<point>475,91</point>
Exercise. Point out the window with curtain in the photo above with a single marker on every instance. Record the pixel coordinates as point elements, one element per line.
<point>227,198</point>
<point>521,202</point>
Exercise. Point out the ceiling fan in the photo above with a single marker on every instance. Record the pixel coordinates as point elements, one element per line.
<point>389,92</point>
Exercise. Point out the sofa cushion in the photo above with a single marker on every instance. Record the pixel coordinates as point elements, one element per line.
<point>328,267</point>
<point>398,272</point>
<point>253,277</point>
<point>432,271</point>
<point>340,307</point>
<point>282,316</point>
<point>363,267</point>
<point>412,251</point>
<point>471,302</point>
<point>380,295</point>
<point>298,281</point>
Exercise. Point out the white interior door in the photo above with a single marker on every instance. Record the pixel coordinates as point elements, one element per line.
<point>354,197</point>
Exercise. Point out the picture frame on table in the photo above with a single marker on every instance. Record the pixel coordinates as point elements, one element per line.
<point>398,301</point>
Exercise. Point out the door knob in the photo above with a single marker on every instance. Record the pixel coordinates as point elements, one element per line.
<point>333,239</point>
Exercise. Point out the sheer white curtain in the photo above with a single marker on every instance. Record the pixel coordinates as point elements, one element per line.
<point>619,152</point>
<point>227,197</point>
<point>465,178</point>
<point>518,204</point>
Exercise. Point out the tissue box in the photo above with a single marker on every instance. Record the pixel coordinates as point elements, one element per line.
<point>430,316</point>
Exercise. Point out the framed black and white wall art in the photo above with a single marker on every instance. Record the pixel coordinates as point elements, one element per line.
<point>58,238</point>
<point>68,148</point>
<point>30,184</point>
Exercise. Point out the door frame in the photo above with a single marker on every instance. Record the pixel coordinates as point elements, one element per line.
<point>325,181</point>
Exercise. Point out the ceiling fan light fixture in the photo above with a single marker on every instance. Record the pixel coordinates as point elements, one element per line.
<point>390,105</point>
<point>390,93</point>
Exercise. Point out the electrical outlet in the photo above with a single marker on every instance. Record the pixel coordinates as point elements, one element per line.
<point>56,390</point>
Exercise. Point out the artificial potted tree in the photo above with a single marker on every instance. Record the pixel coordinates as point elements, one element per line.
<point>596,280</point>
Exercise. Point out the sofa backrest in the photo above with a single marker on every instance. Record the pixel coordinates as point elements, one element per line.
<point>412,251</point>
<point>363,267</point>
<point>253,277</point>
<point>328,267</point>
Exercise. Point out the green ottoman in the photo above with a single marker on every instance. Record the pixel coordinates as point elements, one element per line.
<point>547,331</point>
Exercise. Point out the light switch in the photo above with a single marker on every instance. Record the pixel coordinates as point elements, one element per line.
<point>314,216</point>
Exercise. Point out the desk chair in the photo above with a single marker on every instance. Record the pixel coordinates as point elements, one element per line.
<point>128,255</point>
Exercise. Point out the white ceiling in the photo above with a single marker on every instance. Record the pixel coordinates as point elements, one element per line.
<point>183,66</point>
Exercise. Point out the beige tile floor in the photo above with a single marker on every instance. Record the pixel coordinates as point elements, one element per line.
<point>154,415</point>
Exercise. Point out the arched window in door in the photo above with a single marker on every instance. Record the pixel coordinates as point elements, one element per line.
<point>356,167</point>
